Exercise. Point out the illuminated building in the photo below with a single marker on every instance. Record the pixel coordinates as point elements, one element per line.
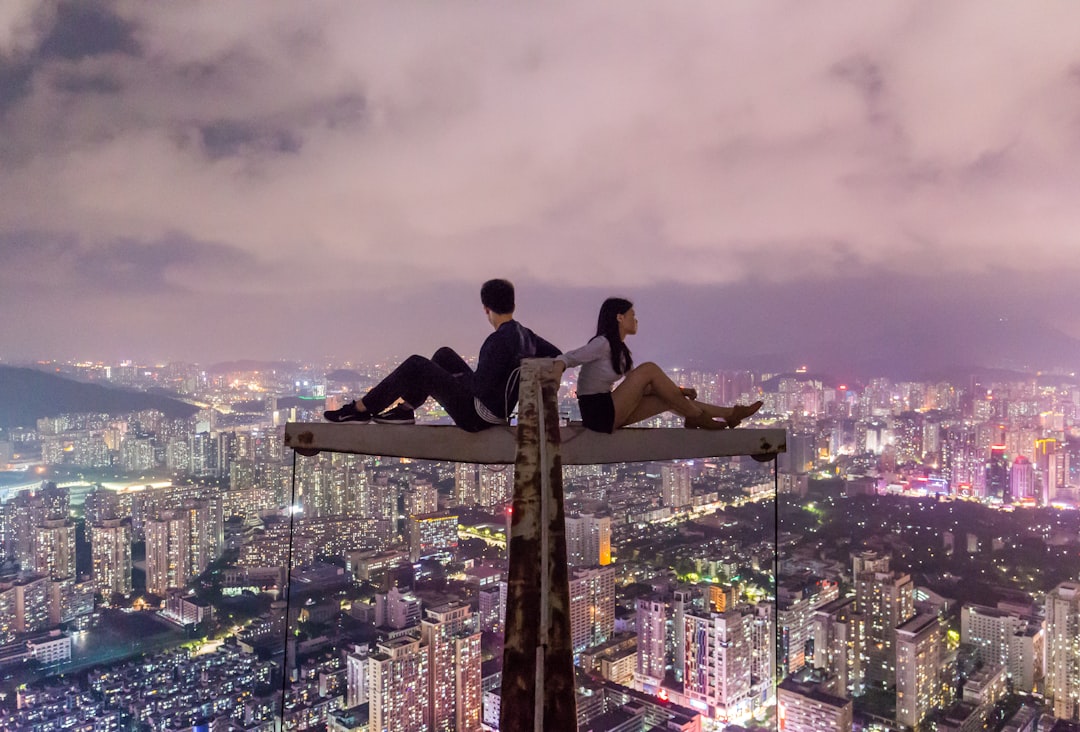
<point>1051,471</point>
<point>806,707</point>
<point>137,454</point>
<point>718,662</point>
<point>22,515</point>
<point>762,653</point>
<point>496,485</point>
<point>840,645</point>
<point>997,474</point>
<point>919,688</point>
<point>432,534</point>
<point>453,645</point>
<point>356,670</point>
<point>178,546</point>
<point>1007,639</point>
<point>398,694</point>
<point>651,627</point>
<point>422,498</point>
<point>675,485</point>
<point>1063,649</point>
<point>588,540</point>
<point>592,606</point>
<point>885,599</point>
<point>101,504</point>
<point>110,547</point>
<point>397,609</point>
<point>1022,480</point>
<point>797,604</point>
<point>54,548</point>
<point>466,485</point>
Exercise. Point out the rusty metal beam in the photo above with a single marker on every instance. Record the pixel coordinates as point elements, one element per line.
<point>538,663</point>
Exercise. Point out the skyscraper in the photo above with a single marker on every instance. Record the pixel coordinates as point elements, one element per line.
<point>919,688</point>
<point>588,540</point>
<point>1063,649</point>
<point>718,662</point>
<point>466,485</point>
<point>675,485</point>
<point>651,626</point>
<point>356,676</point>
<point>110,548</point>
<point>398,691</point>
<point>178,546</point>
<point>592,606</point>
<point>496,485</point>
<point>453,646</point>
<point>54,548</point>
<point>885,599</point>
<point>1022,480</point>
<point>1008,639</point>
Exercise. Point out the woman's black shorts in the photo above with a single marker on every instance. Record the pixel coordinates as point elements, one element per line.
<point>597,412</point>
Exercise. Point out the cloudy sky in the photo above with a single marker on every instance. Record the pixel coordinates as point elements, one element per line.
<point>850,185</point>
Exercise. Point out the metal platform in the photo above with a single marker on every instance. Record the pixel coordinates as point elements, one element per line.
<point>578,446</point>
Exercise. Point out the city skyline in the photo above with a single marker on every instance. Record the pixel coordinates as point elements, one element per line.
<point>771,181</point>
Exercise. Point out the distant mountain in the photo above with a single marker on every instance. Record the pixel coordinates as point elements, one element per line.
<point>27,395</point>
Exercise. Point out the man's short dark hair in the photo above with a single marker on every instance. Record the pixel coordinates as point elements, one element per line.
<point>498,296</point>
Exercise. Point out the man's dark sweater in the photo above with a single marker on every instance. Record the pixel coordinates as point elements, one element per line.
<point>500,355</point>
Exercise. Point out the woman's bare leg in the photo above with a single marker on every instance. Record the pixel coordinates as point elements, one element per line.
<point>649,382</point>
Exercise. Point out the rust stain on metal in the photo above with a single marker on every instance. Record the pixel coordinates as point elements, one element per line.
<point>537,650</point>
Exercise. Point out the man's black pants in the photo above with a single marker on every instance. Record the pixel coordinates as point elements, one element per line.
<point>445,377</point>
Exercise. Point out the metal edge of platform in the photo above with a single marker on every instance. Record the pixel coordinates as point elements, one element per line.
<point>498,444</point>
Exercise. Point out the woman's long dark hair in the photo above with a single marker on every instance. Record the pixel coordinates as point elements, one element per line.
<point>607,325</point>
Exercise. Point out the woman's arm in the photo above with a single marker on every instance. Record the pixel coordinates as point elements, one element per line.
<point>594,350</point>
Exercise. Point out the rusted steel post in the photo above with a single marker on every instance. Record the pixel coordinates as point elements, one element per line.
<point>538,661</point>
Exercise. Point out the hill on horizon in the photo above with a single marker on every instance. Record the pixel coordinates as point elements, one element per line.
<point>27,395</point>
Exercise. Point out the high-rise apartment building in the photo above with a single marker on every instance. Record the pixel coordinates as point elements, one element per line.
<point>885,599</point>
<point>651,624</point>
<point>496,485</point>
<point>356,676</point>
<point>675,485</point>
<point>1063,649</point>
<point>718,662</point>
<point>919,687</point>
<point>588,540</point>
<point>466,485</point>
<point>398,692</point>
<point>797,603</point>
<point>432,533</point>
<point>592,606</point>
<point>54,548</point>
<point>178,546</point>
<point>1022,480</point>
<point>453,645</point>
<point>110,549</point>
<point>839,645</point>
<point>1007,639</point>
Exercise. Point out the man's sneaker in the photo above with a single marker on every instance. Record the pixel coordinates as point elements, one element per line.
<point>347,413</point>
<point>398,415</point>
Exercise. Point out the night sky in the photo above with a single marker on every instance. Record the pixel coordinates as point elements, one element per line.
<point>855,186</point>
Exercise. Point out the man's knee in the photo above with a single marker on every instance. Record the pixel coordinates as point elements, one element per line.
<point>415,360</point>
<point>444,353</point>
